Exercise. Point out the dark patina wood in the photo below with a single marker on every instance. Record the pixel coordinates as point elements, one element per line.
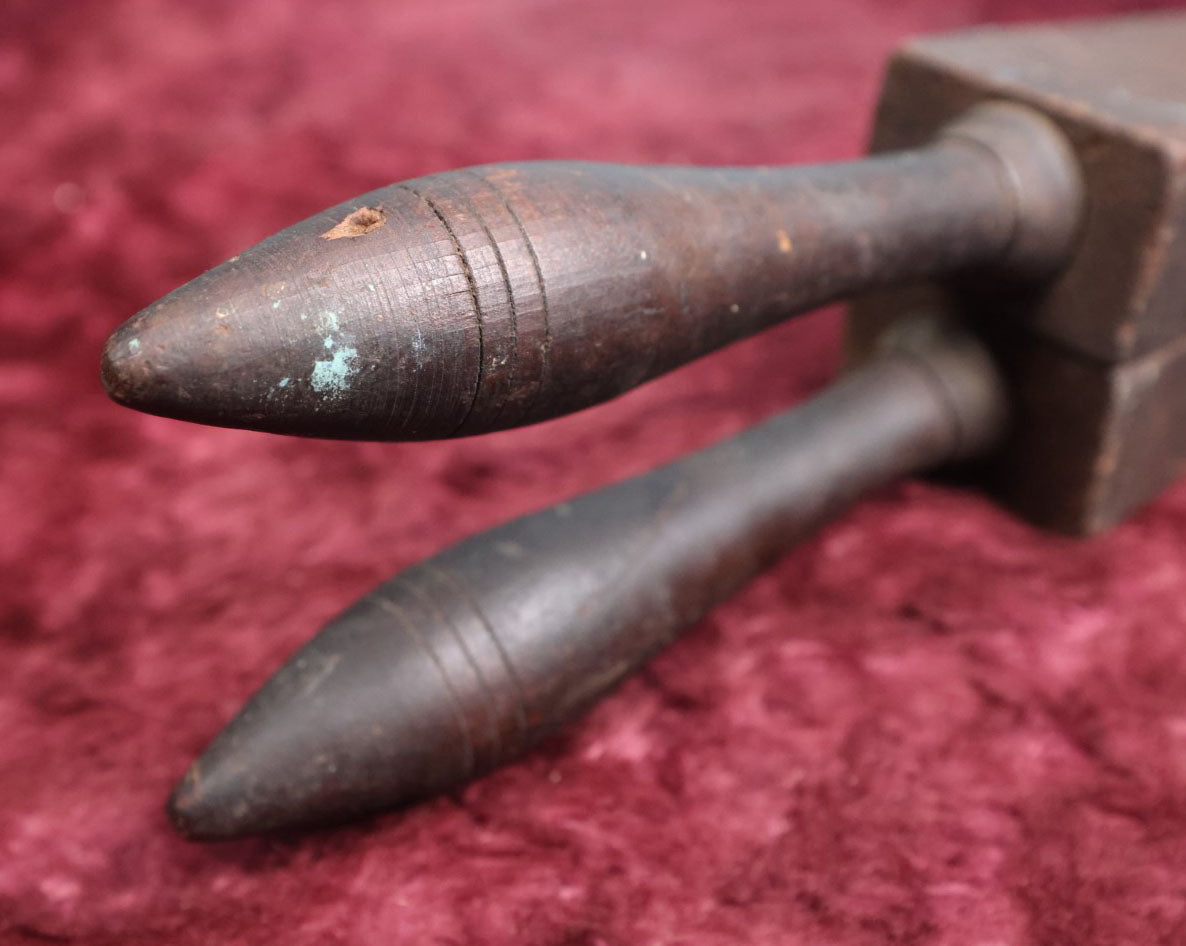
<point>1032,196</point>
<point>492,297</point>
<point>1097,358</point>
<point>466,660</point>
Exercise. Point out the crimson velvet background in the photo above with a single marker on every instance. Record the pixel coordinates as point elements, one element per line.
<point>931,724</point>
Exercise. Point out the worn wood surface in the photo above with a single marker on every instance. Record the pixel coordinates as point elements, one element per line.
<point>1095,359</point>
<point>466,660</point>
<point>1117,90</point>
<point>493,297</point>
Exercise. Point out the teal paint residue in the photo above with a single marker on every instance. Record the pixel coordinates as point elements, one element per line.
<point>276,304</point>
<point>329,341</point>
<point>284,382</point>
<point>331,322</point>
<point>134,345</point>
<point>332,377</point>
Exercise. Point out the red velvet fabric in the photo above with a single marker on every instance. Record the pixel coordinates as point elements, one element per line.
<point>932,724</point>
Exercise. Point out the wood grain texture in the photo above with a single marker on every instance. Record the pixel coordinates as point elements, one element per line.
<point>499,296</point>
<point>463,662</point>
<point>1097,359</point>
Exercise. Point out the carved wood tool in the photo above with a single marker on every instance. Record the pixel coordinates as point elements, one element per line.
<point>472,657</point>
<point>1020,238</point>
<point>498,296</point>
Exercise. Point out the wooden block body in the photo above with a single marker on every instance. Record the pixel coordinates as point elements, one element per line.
<point>1098,356</point>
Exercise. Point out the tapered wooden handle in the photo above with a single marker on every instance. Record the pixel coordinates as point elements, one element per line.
<point>468,659</point>
<point>498,296</point>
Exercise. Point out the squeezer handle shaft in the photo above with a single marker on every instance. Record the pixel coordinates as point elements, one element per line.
<point>464,661</point>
